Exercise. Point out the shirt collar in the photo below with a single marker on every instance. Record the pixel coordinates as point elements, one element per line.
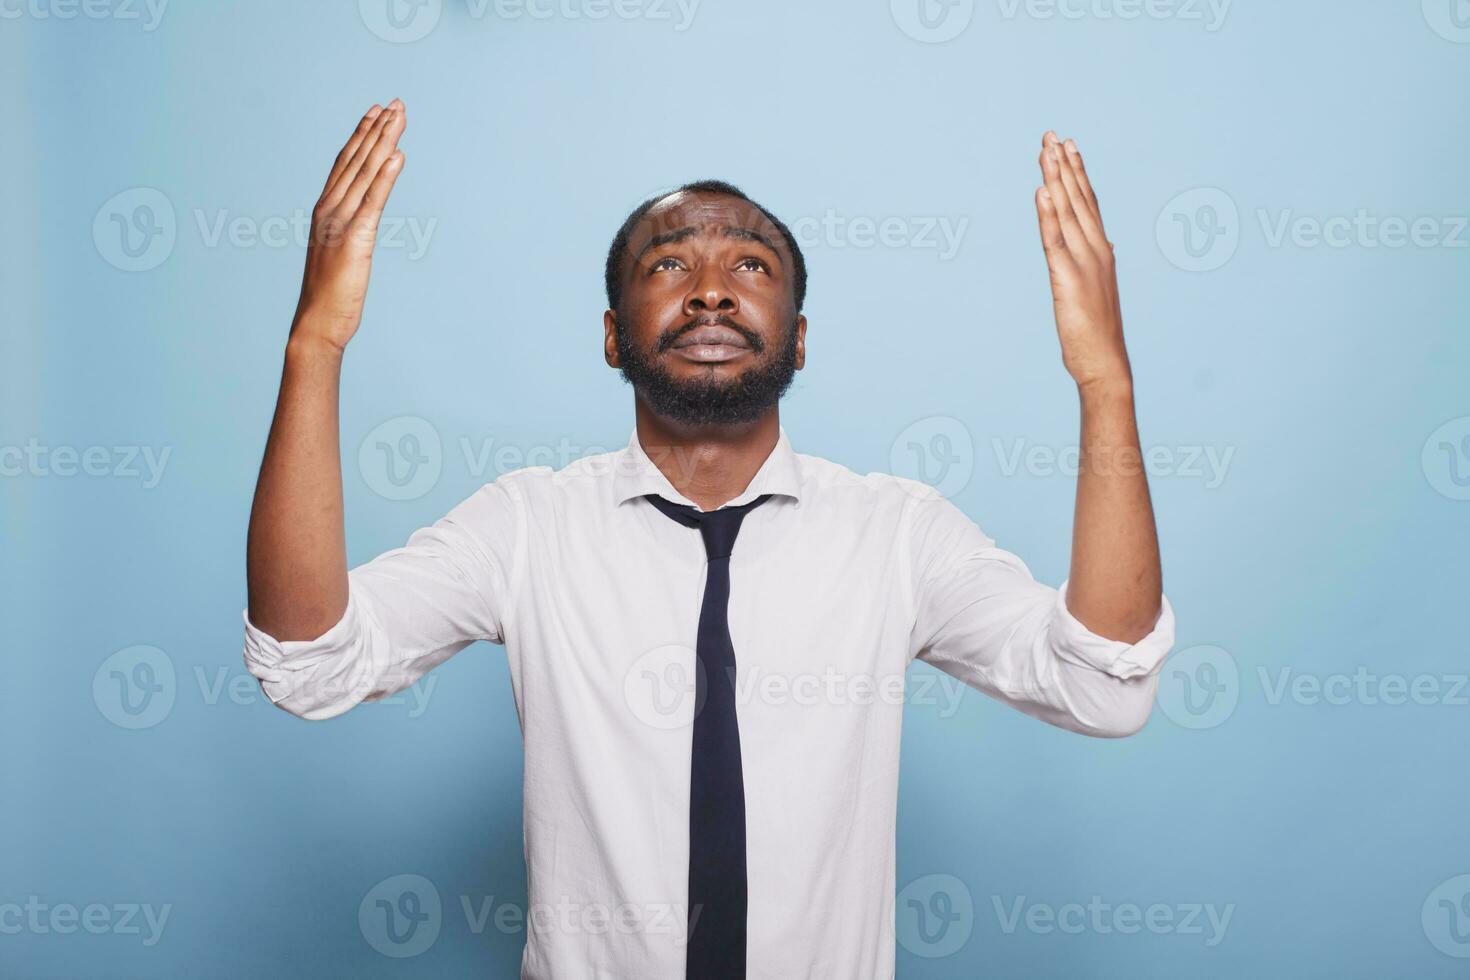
<point>635,474</point>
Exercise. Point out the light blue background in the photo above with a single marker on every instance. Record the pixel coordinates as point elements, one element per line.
<point>1329,544</point>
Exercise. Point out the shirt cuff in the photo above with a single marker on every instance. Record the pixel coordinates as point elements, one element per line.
<point>267,657</point>
<point>1123,660</point>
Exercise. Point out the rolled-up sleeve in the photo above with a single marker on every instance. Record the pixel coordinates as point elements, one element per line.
<point>983,618</point>
<point>408,610</point>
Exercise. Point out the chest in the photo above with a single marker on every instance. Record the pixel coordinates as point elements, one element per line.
<point>806,598</point>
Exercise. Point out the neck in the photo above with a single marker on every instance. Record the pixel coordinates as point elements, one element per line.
<point>710,464</point>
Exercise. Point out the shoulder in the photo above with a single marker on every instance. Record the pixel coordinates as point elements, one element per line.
<point>584,470</point>
<point>822,477</point>
<point>532,488</point>
<point>933,524</point>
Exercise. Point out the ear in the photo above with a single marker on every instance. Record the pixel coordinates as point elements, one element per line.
<point>610,338</point>
<point>800,342</point>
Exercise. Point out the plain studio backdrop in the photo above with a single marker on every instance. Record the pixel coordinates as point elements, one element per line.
<point>1285,183</point>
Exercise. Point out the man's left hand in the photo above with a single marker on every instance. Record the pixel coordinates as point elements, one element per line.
<point>1084,284</point>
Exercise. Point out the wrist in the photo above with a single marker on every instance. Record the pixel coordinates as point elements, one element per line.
<point>1106,392</point>
<point>316,332</point>
<point>309,344</point>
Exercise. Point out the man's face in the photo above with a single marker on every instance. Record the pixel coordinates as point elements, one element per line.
<point>707,329</point>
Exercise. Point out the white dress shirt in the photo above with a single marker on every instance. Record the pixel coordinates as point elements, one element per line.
<point>837,583</point>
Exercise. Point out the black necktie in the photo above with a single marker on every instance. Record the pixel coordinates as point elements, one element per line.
<point>718,896</point>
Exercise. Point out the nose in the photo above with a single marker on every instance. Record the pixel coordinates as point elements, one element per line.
<point>710,291</point>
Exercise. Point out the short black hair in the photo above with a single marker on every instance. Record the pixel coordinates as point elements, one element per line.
<point>613,273</point>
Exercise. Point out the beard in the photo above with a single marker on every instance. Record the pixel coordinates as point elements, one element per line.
<point>707,400</point>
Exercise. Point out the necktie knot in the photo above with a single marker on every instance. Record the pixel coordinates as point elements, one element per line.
<point>718,527</point>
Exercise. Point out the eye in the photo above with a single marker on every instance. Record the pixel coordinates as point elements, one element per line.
<point>666,264</point>
<point>753,264</point>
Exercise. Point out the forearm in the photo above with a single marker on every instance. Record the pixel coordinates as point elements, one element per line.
<point>296,553</point>
<point>1115,586</point>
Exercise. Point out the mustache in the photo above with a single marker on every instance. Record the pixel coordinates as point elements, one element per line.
<point>671,337</point>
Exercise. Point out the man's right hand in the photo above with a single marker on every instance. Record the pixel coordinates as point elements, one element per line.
<point>344,226</point>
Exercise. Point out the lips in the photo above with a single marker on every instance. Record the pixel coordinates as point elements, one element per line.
<point>711,343</point>
<point>711,335</point>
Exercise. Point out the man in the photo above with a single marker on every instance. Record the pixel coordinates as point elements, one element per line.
<point>662,607</point>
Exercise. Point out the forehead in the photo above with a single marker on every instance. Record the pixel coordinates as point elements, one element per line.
<point>709,215</point>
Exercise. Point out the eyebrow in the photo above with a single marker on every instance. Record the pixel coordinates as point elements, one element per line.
<point>680,234</point>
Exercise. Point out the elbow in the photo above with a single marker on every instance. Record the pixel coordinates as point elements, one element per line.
<point>318,678</point>
<point>1110,679</point>
<point>1111,707</point>
<point>1127,622</point>
<point>308,698</point>
<point>1122,724</point>
<point>314,689</point>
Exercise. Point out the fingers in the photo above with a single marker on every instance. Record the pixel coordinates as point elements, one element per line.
<point>1051,171</point>
<point>360,154</point>
<point>378,191</point>
<point>1087,219</point>
<point>1083,181</point>
<point>355,159</point>
<point>1052,241</point>
<point>1074,156</point>
<point>383,147</point>
<point>359,157</point>
<point>350,147</point>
